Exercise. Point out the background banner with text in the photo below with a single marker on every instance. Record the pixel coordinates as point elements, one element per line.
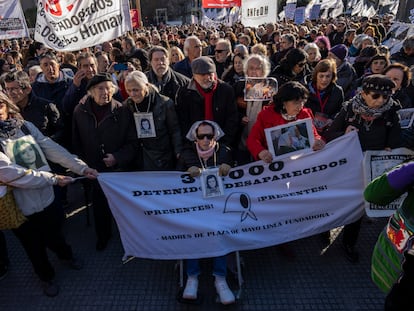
<point>163,215</point>
<point>12,20</point>
<point>73,25</point>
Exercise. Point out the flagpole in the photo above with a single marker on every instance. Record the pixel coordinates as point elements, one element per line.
<point>138,6</point>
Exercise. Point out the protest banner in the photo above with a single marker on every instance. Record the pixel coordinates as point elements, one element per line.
<point>12,20</point>
<point>258,12</point>
<point>69,25</point>
<point>208,4</point>
<point>376,163</point>
<point>163,215</point>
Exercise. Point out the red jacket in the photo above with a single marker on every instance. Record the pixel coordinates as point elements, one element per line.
<point>268,117</point>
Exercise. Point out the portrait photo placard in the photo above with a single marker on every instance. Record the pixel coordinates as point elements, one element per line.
<point>259,89</point>
<point>292,138</point>
<point>144,122</point>
<point>211,183</point>
<point>25,152</point>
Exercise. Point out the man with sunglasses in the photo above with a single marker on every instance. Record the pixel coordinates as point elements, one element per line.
<point>222,56</point>
<point>373,114</point>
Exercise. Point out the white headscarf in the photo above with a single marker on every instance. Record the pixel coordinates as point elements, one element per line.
<point>192,133</point>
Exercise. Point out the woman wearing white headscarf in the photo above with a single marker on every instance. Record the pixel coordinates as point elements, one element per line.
<point>206,152</point>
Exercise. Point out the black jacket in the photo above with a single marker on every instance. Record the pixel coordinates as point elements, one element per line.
<point>190,108</point>
<point>170,84</point>
<point>115,133</point>
<point>44,115</point>
<point>384,132</point>
<point>160,152</point>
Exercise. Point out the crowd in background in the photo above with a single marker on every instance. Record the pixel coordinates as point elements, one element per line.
<point>335,71</point>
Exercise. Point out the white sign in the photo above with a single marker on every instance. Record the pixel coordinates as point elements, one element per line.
<point>163,215</point>
<point>12,20</point>
<point>258,12</point>
<point>69,25</point>
<point>377,163</point>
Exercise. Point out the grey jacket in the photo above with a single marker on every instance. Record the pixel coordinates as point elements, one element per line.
<point>33,189</point>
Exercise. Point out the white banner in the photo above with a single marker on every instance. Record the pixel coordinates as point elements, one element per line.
<point>69,25</point>
<point>12,20</point>
<point>163,215</point>
<point>377,163</point>
<point>258,12</point>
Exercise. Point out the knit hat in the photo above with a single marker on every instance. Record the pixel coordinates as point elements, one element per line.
<point>378,83</point>
<point>100,77</point>
<point>340,51</point>
<point>203,65</point>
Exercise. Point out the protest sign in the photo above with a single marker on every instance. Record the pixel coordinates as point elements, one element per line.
<point>163,215</point>
<point>12,20</point>
<point>69,25</point>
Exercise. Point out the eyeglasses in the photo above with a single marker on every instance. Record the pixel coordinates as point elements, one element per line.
<point>301,64</point>
<point>376,96</point>
<point>202,136</point>
<point>12,89</point>
<point>219,51</point>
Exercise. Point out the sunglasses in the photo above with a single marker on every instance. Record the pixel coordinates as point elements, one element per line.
<point>301,64</point>
<point>376,96</point>
<point>202,136</point>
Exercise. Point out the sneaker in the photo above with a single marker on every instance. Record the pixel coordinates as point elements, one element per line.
<point>74,263</point>
<point>224,292</point>
<point>351,253</point>
<point>191,287</point>
<point>4,269</point>
<point>50,288</point>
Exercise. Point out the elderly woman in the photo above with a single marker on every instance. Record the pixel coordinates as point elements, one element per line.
<point>288,106</point>
<point>255,66</point>
<point>206,152</point>
<point>33,191</point>
<point>372,113</point>
<point>104,136</point>
<point>325,96</point>
<point>314,56</point>
<point>161,146</point>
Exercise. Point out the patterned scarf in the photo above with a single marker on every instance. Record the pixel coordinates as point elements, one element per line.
<point>206,154</point>
<point>10,127</point>
<point>359,107</point>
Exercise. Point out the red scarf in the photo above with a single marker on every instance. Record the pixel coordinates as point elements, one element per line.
<point>208,100</point>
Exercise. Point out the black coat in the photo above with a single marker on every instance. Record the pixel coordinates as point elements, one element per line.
<point>160,152</point>
<point>115,133</point>
<point>170,84</point>
<point>190,108</point>
<point>189,157</point>
<point>332,98</point>
<point>384,132</point>
<point>44,115</point>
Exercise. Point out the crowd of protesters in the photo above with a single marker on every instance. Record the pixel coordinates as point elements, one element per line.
<point>335,71</point>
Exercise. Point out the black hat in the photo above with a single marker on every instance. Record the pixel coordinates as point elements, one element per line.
<point>203,65</point>
<point>378,83</point>
<point>100,77</point>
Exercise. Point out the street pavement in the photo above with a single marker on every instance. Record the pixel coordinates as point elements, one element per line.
<point>317,279</point>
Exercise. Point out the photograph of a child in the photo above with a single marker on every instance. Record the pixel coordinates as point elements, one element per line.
<point>211,183</point>
<point>26,153</point>
<point>292,138</point>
